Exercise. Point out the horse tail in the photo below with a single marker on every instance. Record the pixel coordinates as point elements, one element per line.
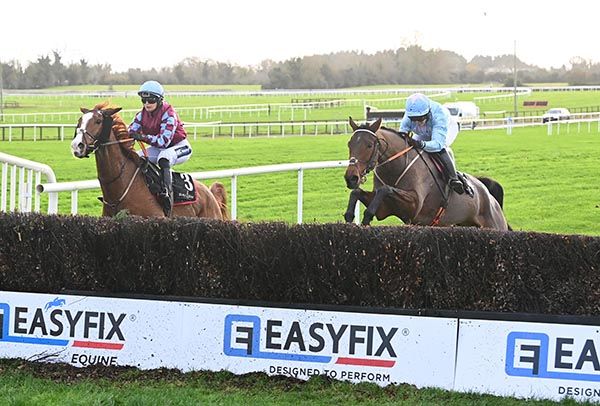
<point>495,189</point>
<point>220,193</point>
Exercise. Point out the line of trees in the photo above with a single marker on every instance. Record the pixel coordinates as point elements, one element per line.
<point>410,65</point>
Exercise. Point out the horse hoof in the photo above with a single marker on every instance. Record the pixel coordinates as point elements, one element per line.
<point>349,218</point>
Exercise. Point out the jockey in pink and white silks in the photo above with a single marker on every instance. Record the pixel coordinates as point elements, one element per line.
<point>158,124</point>
<point>433,130</point>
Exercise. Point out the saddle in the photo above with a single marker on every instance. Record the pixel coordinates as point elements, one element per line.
<point>461,176</point>
<point>184,188</point>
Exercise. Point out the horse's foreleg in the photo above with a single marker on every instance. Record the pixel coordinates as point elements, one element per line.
<point>380,194</point>
<point>355,196</point>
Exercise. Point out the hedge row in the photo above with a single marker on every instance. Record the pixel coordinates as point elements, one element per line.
<point>406,267</point>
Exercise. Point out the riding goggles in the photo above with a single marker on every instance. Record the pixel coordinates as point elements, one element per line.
<point>150,100</point>
<point>419,118</point>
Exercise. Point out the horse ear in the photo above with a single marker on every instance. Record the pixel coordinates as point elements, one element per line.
<point>375,126</point>
<point>111,112</point>
<point>84,110</point>
<point>352,124</point>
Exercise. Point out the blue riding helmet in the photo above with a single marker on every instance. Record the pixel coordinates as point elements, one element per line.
<point>417,105</point>
<point>151,88</point>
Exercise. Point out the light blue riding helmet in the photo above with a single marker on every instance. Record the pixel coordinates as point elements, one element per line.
<point>417,105</point>
<point>151,88</point>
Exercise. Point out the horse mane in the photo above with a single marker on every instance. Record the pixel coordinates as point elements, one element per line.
<point>392,130</point>
<point>119,128</point>
<point>365,126</point>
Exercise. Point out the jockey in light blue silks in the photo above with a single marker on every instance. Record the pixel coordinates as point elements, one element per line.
<point>433,130</point>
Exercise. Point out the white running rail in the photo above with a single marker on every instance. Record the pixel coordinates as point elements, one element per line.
<point>74,187</point>
<point>18,191</point>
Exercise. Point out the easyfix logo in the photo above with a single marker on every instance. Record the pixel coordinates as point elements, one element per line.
<point>53,325</point>
<point>349,344</point>
<point>536,355</point>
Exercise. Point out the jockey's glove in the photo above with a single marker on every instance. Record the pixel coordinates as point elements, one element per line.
<point>138,137</point>
<point>419,144</point>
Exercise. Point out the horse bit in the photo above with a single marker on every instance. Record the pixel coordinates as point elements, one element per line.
<point>97,144</point>
<point>371,164</point>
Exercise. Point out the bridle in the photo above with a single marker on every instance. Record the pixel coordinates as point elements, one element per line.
<point>372,163</point>
<point>101,140</point>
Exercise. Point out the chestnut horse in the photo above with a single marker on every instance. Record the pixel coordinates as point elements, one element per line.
<point>102,131</point>
<point>408,185</point>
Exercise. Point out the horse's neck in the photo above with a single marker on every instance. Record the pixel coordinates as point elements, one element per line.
<point>114,167</point>
<point>401,159</point>
<point>392,144</point>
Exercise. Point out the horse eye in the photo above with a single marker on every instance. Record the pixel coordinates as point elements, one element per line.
<point>98,121</point>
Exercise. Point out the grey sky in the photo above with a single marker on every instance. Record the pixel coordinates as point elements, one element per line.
<point>151,33</point>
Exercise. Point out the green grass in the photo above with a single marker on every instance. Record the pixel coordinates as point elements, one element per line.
<point>169,88</point>
<point>550,182</point>
<point>26,384</point>
<point>190,107</point>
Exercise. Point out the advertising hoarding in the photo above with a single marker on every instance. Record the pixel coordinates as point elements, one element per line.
<point>354,346</point>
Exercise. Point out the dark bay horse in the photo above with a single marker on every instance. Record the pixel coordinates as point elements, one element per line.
<point>408,185</point>
<point>102,131</point>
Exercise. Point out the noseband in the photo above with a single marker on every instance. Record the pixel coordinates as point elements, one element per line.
<point>100,139</point>
<point>372,162</point>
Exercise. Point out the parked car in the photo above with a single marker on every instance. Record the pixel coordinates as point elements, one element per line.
<point>556,114</point>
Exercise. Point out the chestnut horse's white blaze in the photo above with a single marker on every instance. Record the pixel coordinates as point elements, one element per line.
<point>77,145</point>
<point>102,131</point>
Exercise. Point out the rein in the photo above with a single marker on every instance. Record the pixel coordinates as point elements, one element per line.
<point>444,205</point>
<point>100,141</point>
<point>120,199</point>
<point>372,166</point>
<point>373,163</point>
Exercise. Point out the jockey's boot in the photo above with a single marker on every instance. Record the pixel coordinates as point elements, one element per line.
<point>166,195</point>
<point>453,181</point>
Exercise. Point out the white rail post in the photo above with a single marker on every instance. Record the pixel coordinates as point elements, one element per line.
<point>53,203</point>
<point>234,197</point>
<point>13,183</point>
<point>300,193</point>
<point>24,184</point>
<point>4,186</point>
<point>22,201</point>
<point>29,190</point>
<point>74,202</point>
<point>357,213</point>
<point>37,196</point>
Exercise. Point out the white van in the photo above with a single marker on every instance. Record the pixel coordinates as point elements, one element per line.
<point>464,112</point>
